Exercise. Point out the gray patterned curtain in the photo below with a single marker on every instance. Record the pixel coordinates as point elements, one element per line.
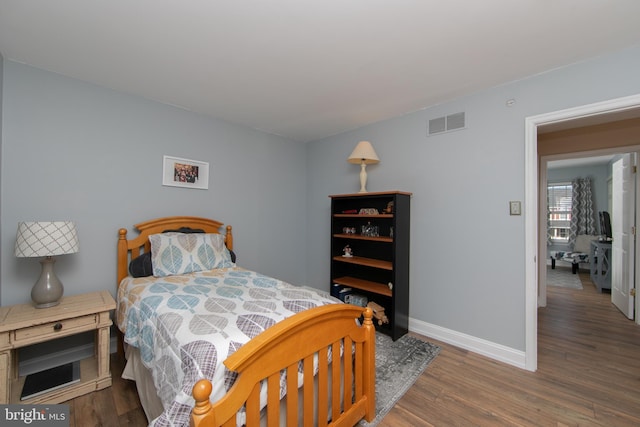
<point>582,213</point>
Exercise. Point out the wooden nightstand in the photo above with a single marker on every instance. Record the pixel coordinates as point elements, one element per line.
<point>22,325</point>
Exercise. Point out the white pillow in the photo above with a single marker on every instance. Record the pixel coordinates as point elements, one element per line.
<point>180,253</point>
<point>583,243</point>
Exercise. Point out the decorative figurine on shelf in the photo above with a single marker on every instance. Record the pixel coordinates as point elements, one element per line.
<point>389,209</point>
<point>378,312</point>
<point>347,252</point>
<point>369,230</point>
<point>368,211</point>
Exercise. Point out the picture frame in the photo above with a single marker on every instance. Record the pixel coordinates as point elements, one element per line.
<point>185,173</point>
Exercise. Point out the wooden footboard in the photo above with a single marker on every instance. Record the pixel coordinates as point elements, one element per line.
<point>345,389</point>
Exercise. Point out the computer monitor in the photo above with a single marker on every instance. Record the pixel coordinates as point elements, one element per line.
<point>605,225</point>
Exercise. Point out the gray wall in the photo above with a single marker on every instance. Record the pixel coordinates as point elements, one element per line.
<point>467,253</point>
<point>74,150</point>
<point>599,175</point>
<point>77,151</point>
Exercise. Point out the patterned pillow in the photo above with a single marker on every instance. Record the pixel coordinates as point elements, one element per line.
<point>178,253</point>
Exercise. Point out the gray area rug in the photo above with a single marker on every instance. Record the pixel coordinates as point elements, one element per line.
<point>562,277</point>
<point>398,366</point>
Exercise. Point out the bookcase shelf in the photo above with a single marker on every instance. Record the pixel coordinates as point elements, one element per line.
<point>360,237</point>
<point>363,216</point>
<point>365,285</point>
<point>369,262</point>
<point>378,269</point>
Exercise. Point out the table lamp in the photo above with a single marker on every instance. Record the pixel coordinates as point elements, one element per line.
<point>46,239</point>
<point>363,154</point>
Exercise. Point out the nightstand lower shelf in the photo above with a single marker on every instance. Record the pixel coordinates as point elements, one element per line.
<point>89,382</point>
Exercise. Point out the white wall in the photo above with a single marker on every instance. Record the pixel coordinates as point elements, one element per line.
<point>467,253</point>
<point>77,151</point>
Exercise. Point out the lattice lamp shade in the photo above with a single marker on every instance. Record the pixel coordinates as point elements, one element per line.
<point>46,239</point>
<point>38,239</point>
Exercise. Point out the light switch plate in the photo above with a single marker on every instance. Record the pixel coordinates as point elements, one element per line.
<point>514,208</point>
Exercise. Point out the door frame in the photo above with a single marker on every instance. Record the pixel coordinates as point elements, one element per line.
<point>533,251</point>
<point>542,207</point>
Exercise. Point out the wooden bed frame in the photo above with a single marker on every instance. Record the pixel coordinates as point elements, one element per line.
<point>346,384</point>
<point>128,250</point>
<point>281,347</point>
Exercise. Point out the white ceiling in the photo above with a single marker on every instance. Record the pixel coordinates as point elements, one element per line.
<point>308,69</point>
<point>580,162</point>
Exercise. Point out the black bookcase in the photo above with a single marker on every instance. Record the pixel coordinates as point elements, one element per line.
<point>375,266</point>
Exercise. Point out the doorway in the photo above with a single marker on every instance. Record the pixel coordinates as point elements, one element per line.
<point>599,113</point>
<point>598,165</point>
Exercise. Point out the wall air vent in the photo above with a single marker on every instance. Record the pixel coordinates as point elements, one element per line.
<point>446,123</point>
<point>437,125</point>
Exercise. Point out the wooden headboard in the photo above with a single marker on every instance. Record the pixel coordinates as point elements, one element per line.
<point>131,249</point>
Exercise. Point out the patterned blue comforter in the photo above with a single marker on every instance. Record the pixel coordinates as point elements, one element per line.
<point>185,326</point>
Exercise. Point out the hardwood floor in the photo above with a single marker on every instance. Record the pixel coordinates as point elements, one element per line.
<point>588,375</point>
<point>115,406</point>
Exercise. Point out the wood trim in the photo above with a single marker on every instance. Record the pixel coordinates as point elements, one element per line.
<point>378,193</point>
<point>366,285</point>
<point>622,133</point>
<point>385,239</point>
<point>369,262</point>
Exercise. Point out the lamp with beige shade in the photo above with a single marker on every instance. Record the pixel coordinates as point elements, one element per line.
<point>364,155</point>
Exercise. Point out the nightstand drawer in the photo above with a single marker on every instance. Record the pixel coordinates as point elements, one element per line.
<point>53,329</point>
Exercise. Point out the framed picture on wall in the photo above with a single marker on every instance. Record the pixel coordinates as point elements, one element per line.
<point>177,172</point>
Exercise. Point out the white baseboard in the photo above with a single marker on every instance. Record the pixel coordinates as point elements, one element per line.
<point>486,348</point>
<point>60,357</point>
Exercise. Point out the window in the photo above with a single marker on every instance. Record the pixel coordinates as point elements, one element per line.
<point>559,198</point>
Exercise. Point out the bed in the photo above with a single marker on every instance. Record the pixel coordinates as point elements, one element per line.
<point>210,343</point>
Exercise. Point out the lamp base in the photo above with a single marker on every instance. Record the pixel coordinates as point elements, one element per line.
<point>363,178</point>
<point>47,305</point>
<point>48,290</point>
